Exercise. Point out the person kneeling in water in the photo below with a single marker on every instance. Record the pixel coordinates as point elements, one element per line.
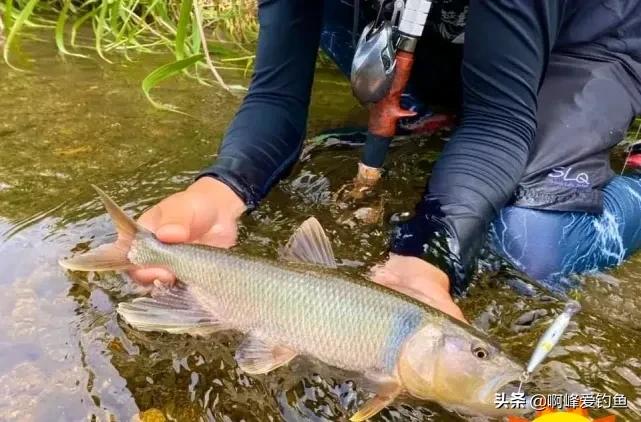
<point>545,89</point>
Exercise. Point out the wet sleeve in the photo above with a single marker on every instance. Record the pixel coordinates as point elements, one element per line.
<point>265,137</point>
<point>507,46</point>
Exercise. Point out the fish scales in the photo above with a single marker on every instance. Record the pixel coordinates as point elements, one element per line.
<point>302,310</point>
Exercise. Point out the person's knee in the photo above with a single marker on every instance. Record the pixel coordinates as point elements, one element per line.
<point>529,239</point>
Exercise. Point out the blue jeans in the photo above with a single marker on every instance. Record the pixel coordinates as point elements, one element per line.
<point>551,245</point>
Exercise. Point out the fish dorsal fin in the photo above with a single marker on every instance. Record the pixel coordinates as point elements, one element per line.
<point>309,244</point>
<point>112,256</point>
<point>125,225</point>
<point>257,356</point>
<point>174,310</point>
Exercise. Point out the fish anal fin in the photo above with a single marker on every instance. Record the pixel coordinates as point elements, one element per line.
<point>309,244</point>
<point>387,391</point>
<point>257,356</point>
<point>173,310</point>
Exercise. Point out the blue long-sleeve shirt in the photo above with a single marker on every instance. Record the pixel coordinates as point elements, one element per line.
<point>507,47</point>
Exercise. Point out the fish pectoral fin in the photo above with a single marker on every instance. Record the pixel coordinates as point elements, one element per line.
<point>309,244</point>
<point>257,356</point>
<point>173,310</point>
<point>385,395</point>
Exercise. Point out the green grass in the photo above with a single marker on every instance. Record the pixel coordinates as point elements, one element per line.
<point>165,72</point>
<point>208,35</point>
<point>14,20</point>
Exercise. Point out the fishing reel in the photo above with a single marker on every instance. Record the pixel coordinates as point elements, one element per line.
<point>374,63</point>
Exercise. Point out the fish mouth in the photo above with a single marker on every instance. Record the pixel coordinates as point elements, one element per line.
<point>507,386</point>
<point>510,388</point>
<point>491,402</point>
<point>514,392</point>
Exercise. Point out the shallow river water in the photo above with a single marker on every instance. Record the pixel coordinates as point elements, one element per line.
<point>64,354</point>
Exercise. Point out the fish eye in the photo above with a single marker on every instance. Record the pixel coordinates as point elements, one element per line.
<point>480,352</point>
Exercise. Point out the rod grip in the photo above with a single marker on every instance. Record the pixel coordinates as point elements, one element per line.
<point>385,113</point>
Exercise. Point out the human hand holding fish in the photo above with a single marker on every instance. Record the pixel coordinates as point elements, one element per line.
<point>206,213</point>
<point>418,279</point>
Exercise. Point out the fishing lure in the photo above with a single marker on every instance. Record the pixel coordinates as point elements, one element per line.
<point>550,338</point>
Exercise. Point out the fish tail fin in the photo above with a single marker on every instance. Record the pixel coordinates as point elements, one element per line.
<point>112,256</point>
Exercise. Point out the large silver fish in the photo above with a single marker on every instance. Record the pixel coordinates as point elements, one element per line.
<point>300,308</point>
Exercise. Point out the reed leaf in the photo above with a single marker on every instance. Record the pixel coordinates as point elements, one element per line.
<point>99,28</point>
<point>14,29</point>
<point>181,29</point>
<point>60,31</point>
<point>164,72</point>
<point>78,23</point>
<point>7,17</point>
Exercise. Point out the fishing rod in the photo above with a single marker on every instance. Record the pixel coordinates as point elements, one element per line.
<point>380,71</point>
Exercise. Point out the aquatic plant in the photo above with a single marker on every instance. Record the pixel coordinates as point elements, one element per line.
<point>203,35</point>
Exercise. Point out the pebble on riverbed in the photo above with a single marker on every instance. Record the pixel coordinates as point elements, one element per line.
<point>150,415</point>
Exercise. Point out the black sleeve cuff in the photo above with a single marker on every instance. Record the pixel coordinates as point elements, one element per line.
<point>236,183</point>
<point>428,236</point>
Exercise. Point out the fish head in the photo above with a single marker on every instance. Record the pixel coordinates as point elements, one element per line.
<point>458,368</point>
